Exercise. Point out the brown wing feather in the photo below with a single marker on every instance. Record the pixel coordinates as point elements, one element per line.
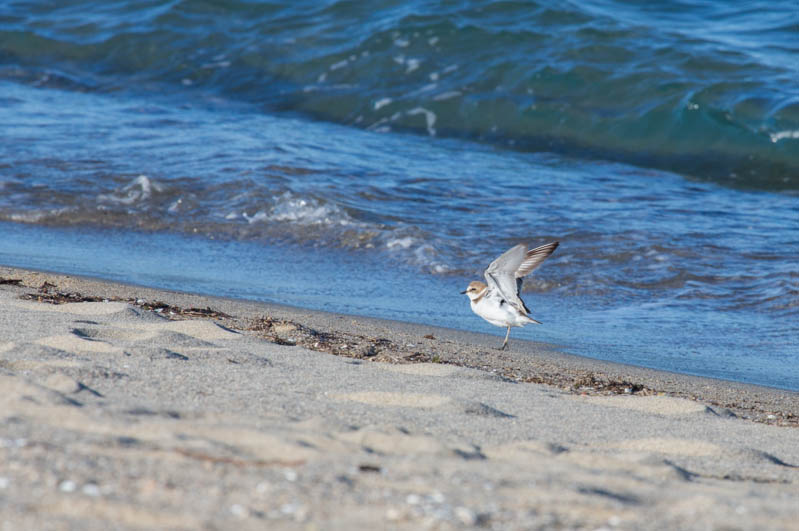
<point>534,258</point>
<point>512,265</point>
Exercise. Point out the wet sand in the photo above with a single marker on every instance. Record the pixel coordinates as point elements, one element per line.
<point>138,408</point>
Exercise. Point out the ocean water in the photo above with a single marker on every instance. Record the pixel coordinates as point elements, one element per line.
<point>373,157</point>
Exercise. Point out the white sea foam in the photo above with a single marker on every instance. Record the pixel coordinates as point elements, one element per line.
<point>35,216</point>
<point>421,90</point>
<point>377,125</point>
<point>430,118</point>
<point>424,252</point>
<point>175,206</point>
<point>304,212</point>
<point>258,216</point>
<point>782,135</point>
<point>400,243</point>
<point>301,212</point>
<point>218,61</point>
<point>425,256</point>
<point>447,95</point>
<point>382,102</point>
<point>138,190</point>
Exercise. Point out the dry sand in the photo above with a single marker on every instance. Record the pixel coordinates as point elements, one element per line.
<point>115,416</point>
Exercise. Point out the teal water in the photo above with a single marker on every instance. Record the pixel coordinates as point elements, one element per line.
<point>273,152</point>
<point>704,88</point>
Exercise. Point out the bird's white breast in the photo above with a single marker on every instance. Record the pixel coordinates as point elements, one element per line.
<point>493,310</point>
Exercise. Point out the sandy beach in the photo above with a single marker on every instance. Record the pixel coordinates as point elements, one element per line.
<point>131,408</point>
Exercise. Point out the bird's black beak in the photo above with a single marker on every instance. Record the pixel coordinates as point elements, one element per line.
<point>464,292</point>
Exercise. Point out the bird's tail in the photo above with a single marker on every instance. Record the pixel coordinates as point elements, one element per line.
<point>532,320</point>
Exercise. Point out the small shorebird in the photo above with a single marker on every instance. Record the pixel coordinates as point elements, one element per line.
<point>498,300</point>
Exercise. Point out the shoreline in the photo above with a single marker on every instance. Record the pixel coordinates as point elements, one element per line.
<point>126,407</point>
<point>384,340</point>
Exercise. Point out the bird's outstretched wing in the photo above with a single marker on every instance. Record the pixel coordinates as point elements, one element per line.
<point>501,274</point>
<point>534,258</point>
<point>506,272</point>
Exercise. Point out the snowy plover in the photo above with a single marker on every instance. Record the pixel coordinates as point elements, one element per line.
<point>498,301</point>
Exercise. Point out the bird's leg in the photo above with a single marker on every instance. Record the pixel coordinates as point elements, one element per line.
<point>505,344</point>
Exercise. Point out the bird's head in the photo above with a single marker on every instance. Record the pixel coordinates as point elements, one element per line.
<point>475,290</point>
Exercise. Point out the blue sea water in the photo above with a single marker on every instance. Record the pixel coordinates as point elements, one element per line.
<point>372,158</point>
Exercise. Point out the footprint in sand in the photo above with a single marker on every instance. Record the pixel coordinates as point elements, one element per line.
<point>670,445</point>
<point>661,405</point>
<point>422,401</point>
<point>422,369</point>
<point>383,398</point>
<point>76,343</point>
<point>390,440</point>
<point>203,330</point>
<point>76,308</point>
